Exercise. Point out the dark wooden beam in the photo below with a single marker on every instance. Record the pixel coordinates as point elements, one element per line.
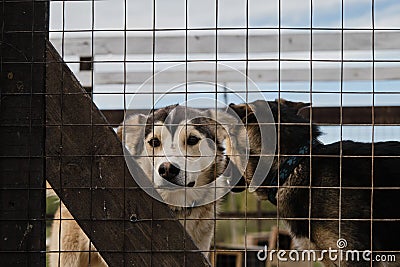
<point>354,115</point>
<point>86,167</point>
<point>24,30</point>
<point>115,116</point>
<point>321,115</point>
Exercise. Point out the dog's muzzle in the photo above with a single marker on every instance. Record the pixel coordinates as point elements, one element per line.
<point>170,171</point>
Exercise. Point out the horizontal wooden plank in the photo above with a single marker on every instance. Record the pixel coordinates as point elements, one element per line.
<point>85,165</point>
<point>231,76</point>
<point>354,115</point>
<point>321,115</point>
<point>229,43</point>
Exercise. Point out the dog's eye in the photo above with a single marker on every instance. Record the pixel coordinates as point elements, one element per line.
<point>192,140</point>
<point>154,142</point>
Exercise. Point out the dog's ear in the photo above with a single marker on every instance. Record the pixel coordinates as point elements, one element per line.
<point>225,122</point>
<point>230,129</point>
<point>131,132</point>
<point>241,110</point>
<point>297,106</point>
<point>221,116</point>
<point>234,132</point>
<point>131,121</point>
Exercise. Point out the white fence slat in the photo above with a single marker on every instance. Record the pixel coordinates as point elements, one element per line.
<point>231,76</point>
<point>232,43</point>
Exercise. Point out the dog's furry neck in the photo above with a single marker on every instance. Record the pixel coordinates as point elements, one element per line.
<point>293,132</point>
<point>287,167</point>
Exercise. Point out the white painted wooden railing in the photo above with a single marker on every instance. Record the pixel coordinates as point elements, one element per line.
<point>269,59</point>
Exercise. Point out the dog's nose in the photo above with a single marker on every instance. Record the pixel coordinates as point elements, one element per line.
<point>168,171</point>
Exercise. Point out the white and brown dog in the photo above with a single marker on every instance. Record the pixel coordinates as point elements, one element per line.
<point>182,152</point>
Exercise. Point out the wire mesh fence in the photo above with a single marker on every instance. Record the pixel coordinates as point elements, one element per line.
<point>254,133</point>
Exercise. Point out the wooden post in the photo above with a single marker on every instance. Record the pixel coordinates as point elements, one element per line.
<point>24,30</point>
<point>86,167</point>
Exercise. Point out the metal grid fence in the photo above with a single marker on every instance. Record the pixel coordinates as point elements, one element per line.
<point>72,70</point>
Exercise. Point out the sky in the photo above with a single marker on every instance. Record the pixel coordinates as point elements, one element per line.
<point>110,14</point>
<point>111,17</point>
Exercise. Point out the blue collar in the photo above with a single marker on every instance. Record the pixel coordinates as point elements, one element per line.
<point>286,169</point>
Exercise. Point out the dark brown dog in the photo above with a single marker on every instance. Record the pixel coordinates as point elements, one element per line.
<point>329,195</point>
